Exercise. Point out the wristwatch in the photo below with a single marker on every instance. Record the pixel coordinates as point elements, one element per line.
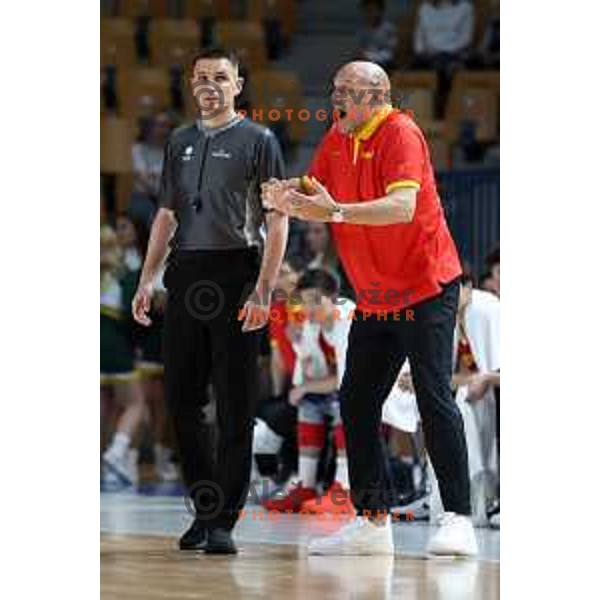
<point>337,216</point>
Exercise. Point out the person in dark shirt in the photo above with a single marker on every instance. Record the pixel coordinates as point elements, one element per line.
<point>226,251</point>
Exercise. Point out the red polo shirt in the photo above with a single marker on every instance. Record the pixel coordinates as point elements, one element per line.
<point>390,266</point>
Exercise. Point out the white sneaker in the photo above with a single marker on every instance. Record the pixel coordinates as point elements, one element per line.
<point>455,536</point>
<point>359,537</point>
<point>495,520</point>
<point>110,478</point>
<point>118,465</point>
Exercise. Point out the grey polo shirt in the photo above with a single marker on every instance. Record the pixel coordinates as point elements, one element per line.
<point>211,180</point>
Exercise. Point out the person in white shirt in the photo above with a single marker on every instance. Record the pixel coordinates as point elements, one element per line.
<point>442,41</point>
<point>147,160</point>
<point>377,37</point>
<point>443,27</point>
<point>319,342</point>
<point>475,380</point>
<point>334,313</point>
<point>330,312</point>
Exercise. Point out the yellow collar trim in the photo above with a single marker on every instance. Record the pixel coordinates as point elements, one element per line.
<point>369,127</point>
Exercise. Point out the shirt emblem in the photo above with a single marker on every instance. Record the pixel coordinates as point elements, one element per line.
<point>221,154</point>
<point>188,153</point>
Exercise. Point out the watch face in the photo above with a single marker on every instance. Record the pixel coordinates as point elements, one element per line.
<point>337,216</point>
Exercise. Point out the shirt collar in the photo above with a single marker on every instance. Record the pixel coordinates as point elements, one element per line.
<point>212,131</point>
<point>372,124</point>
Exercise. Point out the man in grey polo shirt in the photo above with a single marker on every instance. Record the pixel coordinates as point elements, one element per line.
<point>224,247</point>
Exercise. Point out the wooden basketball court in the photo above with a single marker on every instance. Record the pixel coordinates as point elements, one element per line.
<point>140,559</point>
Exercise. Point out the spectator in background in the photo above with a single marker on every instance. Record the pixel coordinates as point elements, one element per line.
<point>275,425</point>
<point>273,30</point>
<point>492,284</point>
<point>282,353</point>
<point>117,368</point>
<point>133,240</point>
<point>320,247</point>
<point>132,237</point>
<point>476,381</point>
<point>147,158</point>
<point>442,41</point>
<point>314,392</point>
<point>322,255</point>
<point>151,369</point>
<point>377,37</point>
<point>476,376</point>
<point>332,313</point>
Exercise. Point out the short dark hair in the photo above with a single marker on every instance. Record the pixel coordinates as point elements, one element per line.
<point>319,279</point>
<point>485,275</point>
<point>493,258</point>
<point>215,52</point>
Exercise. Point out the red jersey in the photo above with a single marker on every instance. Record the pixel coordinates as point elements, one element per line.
<point>465,362</point>
<point>390,266</point>
<point>279,337</point>
<point>279,321</point>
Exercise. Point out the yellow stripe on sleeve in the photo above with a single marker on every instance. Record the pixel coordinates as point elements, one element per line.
<point>402,183</point>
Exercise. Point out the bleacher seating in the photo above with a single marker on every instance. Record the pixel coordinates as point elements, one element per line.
<point>284,10</point>
<point>173,41</point>
<point>278,90</point>
<point>117,44</point>
<point>415,91</point>
<point>245,38</point>
<point>474,97</point>
<point>142,87</point>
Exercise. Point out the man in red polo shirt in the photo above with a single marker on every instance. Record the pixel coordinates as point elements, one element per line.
<point>376,186</point>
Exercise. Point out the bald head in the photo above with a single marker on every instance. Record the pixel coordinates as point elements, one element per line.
<point>360,88</point>
<point>364,72</point>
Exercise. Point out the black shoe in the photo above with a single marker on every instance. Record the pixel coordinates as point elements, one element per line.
<point>195,537</point>
<point>220,542</point>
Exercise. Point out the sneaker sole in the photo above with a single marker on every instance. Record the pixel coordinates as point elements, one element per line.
<point>451,554</point>
<point>192,547</point>
<point>218,550</point>
<point>352,552</point>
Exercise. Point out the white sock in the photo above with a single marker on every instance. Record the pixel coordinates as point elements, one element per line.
<point>120,444</point>
<point>341,471</point>
<point>307,470</point>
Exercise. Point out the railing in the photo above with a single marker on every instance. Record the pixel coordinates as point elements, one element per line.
<point>471,200</point>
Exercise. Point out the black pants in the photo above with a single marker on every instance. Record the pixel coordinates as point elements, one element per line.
<point>376,351</point>
<point>203,343</point>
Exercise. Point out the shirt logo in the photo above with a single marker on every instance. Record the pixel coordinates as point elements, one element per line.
<point>221,154</point>
<point>188,153</point>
